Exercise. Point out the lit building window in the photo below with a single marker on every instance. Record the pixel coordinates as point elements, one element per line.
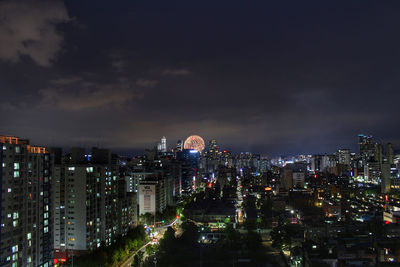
<point>16,174</point>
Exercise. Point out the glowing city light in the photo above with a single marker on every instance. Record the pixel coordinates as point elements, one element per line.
<point>194,142</point>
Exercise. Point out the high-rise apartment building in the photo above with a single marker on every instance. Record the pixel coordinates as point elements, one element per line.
<point>344,156</point>
<point>366,147</point>
<point>92,207</point>
<point>26,212</point>
<point>127,208</point>
<point>152,197</point>
<point>321,163</point>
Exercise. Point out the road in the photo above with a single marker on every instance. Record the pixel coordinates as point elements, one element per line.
<point>168,225</point>
<point>160,232</point>
<point>129,261</point>
<point>239,201</point>
<point>274,255</point>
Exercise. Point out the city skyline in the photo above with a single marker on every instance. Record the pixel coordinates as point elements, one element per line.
<point>170,146</point>
<point>271,78</point>
<point>199,133</point>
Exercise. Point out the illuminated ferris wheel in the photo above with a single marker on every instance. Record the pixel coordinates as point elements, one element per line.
<point>194,142</point>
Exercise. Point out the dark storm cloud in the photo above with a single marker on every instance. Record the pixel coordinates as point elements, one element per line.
<point>28,28</point>
<point>177,72</point>
<point>146,83</point>
<point>101,96</point>
<point>292,77</point>
<point>66,81</point>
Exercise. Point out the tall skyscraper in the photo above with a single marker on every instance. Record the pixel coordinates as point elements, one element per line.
<point>26,212</point>
<point>213,145</point>
<point>212,148</point>
<point>378,153</point>
<point>162,146</point>
<point>179,145</point>
<point>366,147</point>
<point>389,153</point>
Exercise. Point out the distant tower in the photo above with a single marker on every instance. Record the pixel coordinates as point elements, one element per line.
<point>213,148</point>
<point>163,144</point>
<point>179,145</point>
<point>389,153</point>
<point>385,178</point>
<point>366,147</point>
<point>213,145</point>
<point>344,156</point>
<point>378,153</point>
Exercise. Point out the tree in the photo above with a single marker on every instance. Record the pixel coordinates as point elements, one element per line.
<point>147,218</point>
<point>117,252</point>
<point>137,259</point>
<point>151,249</point>
<point>254,246</point>
<point>282,235</point>
<point>168,249</point>
<point>232,237</point>
<point>190,233</point>
<point>168,242</point>
<point>182,251</point>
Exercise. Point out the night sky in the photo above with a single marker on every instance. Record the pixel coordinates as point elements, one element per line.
<point>272,77</point>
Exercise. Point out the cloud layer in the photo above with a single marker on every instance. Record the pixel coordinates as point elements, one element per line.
<point>87,95</point>
<point>268,76</point>
<point>29,28</point>
<point>176,72</point>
